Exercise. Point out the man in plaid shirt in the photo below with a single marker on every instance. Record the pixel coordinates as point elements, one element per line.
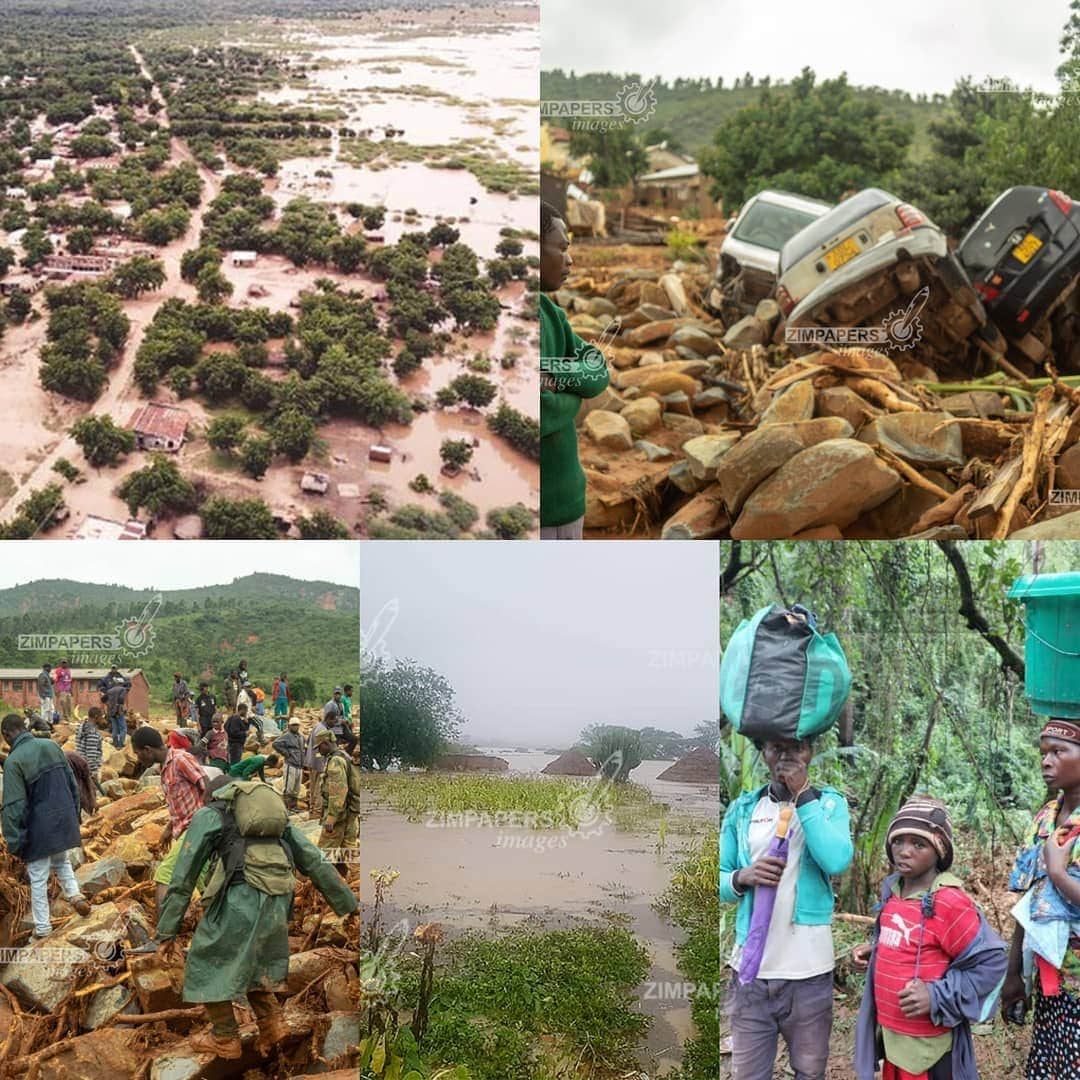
<point>183,783</point>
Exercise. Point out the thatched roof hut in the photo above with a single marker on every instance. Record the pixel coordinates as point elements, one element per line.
<point>572,763</point>
<point>700,766</point>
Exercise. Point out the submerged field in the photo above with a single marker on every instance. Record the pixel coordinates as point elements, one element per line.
<point>566,909</point>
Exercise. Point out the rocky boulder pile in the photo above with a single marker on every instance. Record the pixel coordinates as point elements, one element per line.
<point>713,431</point>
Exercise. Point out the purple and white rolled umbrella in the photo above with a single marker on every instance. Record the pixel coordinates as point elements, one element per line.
<point>764,899</point>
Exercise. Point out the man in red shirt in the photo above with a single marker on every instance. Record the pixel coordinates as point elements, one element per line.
<point>183,783</point>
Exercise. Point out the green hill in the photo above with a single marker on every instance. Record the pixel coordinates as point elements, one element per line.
<point>692,109</point>
<point>309,629</point>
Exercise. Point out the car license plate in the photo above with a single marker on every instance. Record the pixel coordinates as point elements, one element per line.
<point>1027,247</point>
<point>841,254</point>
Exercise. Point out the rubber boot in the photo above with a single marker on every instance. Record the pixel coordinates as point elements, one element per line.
<point>222,1046</point>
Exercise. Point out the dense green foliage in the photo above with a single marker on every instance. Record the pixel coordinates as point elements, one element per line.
<point>934,705</point>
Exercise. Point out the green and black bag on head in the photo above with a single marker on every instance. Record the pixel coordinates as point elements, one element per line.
<point>780,678</point>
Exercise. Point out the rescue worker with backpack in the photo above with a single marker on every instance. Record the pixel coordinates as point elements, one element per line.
<point>241,944</point>
<point>340,797</point>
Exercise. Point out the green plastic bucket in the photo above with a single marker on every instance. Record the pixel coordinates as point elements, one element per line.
<point>1052,642</point>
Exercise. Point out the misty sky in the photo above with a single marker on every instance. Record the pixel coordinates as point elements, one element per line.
<point>922,46</point>
<point>540,639</point>
<point>177,564</point>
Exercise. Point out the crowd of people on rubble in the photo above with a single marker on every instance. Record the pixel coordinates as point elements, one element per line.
<point>232,835</point>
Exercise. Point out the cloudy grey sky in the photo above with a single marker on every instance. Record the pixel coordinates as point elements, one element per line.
<point>922,46</point>
<point>541,639</point>
<point>176,564</point>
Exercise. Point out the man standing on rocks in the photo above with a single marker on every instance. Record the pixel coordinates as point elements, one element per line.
<point>241,945</point>
<point>570,369</point>
<point>232,689</point>
<point>236,727</point>
<point>341,800</point>
<point>315,764</point>
<point>282,700</point>
<point>116,708</point>
<point>63,690</point>
<point>291,747</point>
<point>45,693</point>
<point>41,817</point>
<point>183,783</point>
<point>205,707</point>
<point>181,696</point>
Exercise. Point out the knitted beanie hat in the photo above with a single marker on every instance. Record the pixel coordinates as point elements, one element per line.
<point>929,818</point>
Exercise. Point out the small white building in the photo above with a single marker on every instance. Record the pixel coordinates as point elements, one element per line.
<point>99,528</point>
<point>159,427</point>
<point>15,193</point>
<point>243,258</point>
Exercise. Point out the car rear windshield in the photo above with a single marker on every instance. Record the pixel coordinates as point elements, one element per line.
<point>982,248</point>
<point>770,226</point>
<point>828,225</point>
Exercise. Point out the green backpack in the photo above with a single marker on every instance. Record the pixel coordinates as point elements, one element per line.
<point>254,817</point>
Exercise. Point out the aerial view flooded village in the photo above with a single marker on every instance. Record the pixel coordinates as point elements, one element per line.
<point>268,270</point>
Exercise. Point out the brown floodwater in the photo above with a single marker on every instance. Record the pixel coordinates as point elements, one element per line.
<point>477,879</point>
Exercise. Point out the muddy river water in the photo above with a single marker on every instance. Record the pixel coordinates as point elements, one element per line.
<point>490,879</point>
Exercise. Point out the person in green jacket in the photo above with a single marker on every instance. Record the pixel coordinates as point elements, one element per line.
<point>570,369</point>
<point>792,993</point>
<point>248,767</point>
<point>241,944</point>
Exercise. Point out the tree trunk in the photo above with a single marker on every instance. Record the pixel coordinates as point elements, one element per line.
<point>975,619</point>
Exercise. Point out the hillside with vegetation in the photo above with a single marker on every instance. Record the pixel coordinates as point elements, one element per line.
<point>309,629</point>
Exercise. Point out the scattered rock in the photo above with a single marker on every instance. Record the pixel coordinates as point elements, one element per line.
<point>831,483</point>
<point>649,359</point>
<point>651,451</point>
<point>107,1003</point>
<point>1067,474</point>
<point>822,532</point>
<point>599,307</point>
<point>693,368</point>
<point>705,452</point>
<point>1066,527</point>
<point>676,295</point>
<point>921,438</point>
<point>654,294</point>
<point>747,332</point>
<point>681,476</point>
<point>702,518</point>
<point>695,339</point>
<point>982,403</point>
<point>765,449</point>
<point>660,330</point>
<point>844,402</point>
<point>41,983</point>
<point>711,397</point>
<point>794,403</point>
<point>685,425</point>
<point>609,429</point>
<point>643,415</point>
<point>663,381</point>
<point>656,312</point>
